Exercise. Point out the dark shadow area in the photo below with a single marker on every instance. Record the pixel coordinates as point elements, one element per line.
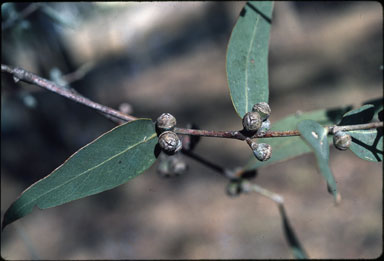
<point>372,148</point>
<point>266,18</point>
<point>335,115</point>
<point>361,117</point>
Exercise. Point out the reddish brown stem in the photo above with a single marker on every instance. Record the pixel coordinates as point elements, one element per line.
<point>23,75</point>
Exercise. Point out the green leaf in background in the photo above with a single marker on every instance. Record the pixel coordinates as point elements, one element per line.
<point>288,147</point>
<point>378,106</point>
<point>316,137</point>
<point>361,115</point>
<point>366,144</point>
<point>247,56</point>
<point>109,161</point>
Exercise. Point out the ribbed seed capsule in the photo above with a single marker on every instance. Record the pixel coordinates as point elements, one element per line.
<point>263,109</point>
<point>342,140</point>
<point>265,126</point>
<point>169,142</point>
<point>165,122</point>
<point>262,151</point>
<point>252,121</point>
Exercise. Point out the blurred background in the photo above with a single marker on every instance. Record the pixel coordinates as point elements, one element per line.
<point>150,58</point>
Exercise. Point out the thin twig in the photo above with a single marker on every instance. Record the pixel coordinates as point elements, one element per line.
<point>78,74</point>
<point>217,134</point>
<point>22,15</point>
<point>222,171</point>
<point>247,187</point>
<point>371,125</point>
<point>272,134</point>
<point>23,75</point>
<point>297,250</point>
<point>20,74</point>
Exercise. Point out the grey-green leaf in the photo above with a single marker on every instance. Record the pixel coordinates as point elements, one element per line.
<point>247,56</point>
<point>316,137</point>
<point>109,161</point>
<point>288,147</point>
<point>366,144</point>
<point>362,115</point>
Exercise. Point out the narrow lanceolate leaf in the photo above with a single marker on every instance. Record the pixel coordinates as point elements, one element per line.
<point>111,160</point>
<point>315,136</point>
<point>247,56</point>
<point>366,144</point>
<point>288,147</point>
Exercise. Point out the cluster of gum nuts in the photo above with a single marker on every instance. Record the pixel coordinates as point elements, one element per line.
<point>169,142</point>
<point>342,140</point>
<point>257,122</point>
<point>254,122</point>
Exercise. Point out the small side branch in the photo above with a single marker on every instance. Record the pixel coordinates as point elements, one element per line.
<point>273,134</point>
<point>20,74</point>
<point>297,250</point>
<point>371,125</point>
<point>22,15</point>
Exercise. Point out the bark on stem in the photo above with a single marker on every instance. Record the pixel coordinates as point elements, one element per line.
<point>20,74</point>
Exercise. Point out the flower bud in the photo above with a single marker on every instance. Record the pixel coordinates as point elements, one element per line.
<point>169,142</point>
<point>262,151</point>
<point>252,121</point>
<point>165,122</point>
<point>263,109</point>
<point>265,126</point>
<point>342,140</point>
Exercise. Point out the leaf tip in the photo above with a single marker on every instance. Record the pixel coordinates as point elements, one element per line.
<point>6,221</point>
<point>337,199</point>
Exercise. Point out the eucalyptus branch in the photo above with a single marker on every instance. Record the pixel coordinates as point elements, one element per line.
<point>371,125</point>
<point>273,134</point>
<point>20,74</point>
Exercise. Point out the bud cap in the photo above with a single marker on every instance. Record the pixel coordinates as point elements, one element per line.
<point>262,151</point>
<point>342,140</point>
<point>263,109</point>
<point>265,126</point>
<point>169,142</point>
<point>166,121</point>
<point>252,121</point>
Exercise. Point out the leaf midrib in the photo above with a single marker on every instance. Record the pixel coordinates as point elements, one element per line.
<point>88,170</point>
<point>247,63</point>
